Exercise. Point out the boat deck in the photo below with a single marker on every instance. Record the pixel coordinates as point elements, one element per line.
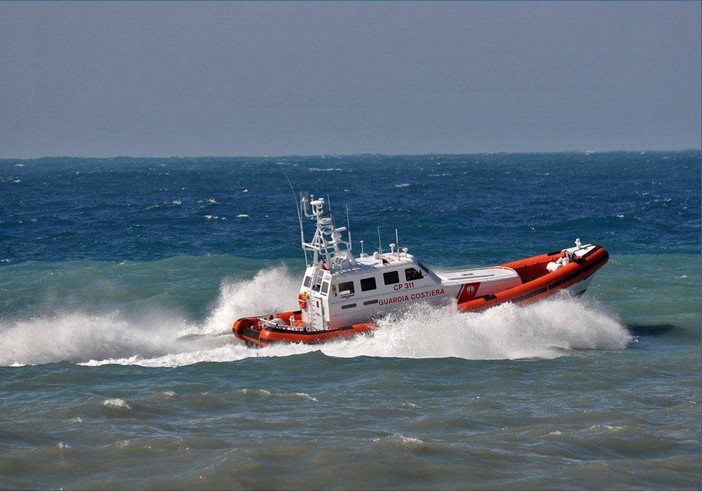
<point>492,274</point>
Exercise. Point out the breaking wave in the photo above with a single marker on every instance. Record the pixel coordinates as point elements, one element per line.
<point>547,329</point>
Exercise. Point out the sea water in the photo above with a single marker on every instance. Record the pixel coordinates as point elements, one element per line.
<point>120,279</point>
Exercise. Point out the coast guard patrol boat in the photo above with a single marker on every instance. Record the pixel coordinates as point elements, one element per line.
<point>341,295</point>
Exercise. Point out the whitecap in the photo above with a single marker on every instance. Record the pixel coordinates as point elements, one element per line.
<point>266,393</point>
<point>604,427</point>
<point>408,440</point>
<point>412,443</point>
<point>306,396</point>
<point>116,403</point>
<point>258,392</point>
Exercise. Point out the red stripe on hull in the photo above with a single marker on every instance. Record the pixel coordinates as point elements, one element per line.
<point>538,282</point>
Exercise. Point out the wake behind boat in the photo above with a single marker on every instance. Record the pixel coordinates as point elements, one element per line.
<point>341,295</point>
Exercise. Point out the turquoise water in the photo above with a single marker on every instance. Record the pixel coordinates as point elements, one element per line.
<point>120,278</point>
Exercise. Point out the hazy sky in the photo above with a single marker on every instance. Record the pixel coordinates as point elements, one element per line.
<point>239,78</point>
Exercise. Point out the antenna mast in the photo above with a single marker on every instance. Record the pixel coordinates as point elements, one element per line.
<point>327,244</point>
<point>348,227</point>
<point>299,213</point>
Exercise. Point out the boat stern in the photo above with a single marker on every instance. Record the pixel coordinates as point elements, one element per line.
<point>249,331</point>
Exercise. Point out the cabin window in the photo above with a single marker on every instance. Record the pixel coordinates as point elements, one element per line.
<point>413,274</point>
<point>348,306</point>
<point>325,287</point>
<point>346,288</point>
<point>368,284</point>
<point>391,278</point>
<point>307,282</point>
<point>368,303</point>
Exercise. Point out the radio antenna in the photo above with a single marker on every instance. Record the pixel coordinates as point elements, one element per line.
<point>380,244</point>
<point>299,213</point>
<point>348,227</point>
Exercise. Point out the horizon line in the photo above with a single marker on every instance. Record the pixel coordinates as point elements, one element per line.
<point>332,154</point>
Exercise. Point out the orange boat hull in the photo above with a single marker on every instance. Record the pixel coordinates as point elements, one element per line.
<point>250,331</point>
<point>538,282</point>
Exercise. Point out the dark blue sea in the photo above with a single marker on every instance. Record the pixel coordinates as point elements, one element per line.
<point>120,279</point>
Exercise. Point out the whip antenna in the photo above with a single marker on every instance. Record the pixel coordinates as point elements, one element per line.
<point>348,227</point>
<point>299,213</point>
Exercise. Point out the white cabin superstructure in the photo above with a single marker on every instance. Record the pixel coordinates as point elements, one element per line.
<point>340,290</point>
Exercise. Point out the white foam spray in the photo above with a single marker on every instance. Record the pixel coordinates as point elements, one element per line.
<point>73,337</point>
<point>546,329</point>
<point>273,289</point>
